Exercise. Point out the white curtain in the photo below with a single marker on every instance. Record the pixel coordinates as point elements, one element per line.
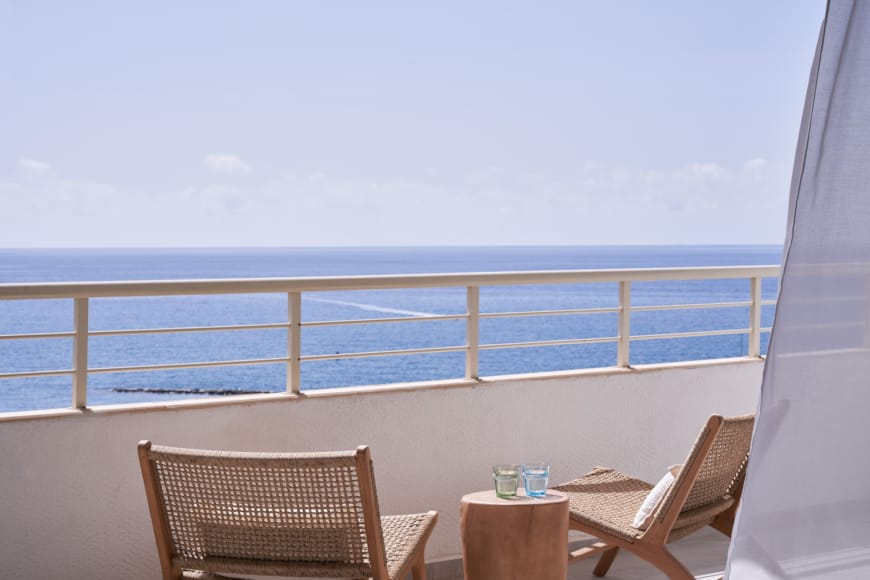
<point>806,505</point>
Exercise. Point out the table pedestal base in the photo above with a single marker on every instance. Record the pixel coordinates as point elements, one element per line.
<point>514,539</point>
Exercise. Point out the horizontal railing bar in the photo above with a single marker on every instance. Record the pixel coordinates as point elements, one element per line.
<point>378,320</point>
<point>193,365</point>
<point>282,325</point>
<point>53,290</point>
<point>549,312</point>
<point>264,326</point>
<point>690,306</point>
<point>549,342</point>
<point>373,353</point>
<point>768,302</point>
<point>27,374</point>
<point>766,328</point>
<point>36,335</point>
<point>691,334</point>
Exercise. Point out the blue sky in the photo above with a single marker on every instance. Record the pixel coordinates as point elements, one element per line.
<point>371,123</point>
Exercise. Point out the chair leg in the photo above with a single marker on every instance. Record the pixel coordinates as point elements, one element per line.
<point>605,561</point>
<point>418,570</point>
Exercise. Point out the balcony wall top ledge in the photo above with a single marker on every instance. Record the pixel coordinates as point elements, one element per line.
<point>360,391</point>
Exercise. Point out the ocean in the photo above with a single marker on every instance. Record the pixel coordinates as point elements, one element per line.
<point>56,265</point>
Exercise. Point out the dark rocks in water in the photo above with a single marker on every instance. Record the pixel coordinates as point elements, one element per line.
<point>167,391</point>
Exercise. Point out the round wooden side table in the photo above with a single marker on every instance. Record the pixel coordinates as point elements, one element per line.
<point>521,538</point>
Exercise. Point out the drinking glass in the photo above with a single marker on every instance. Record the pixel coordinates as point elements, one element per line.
<point>507,479</point>
<point>536,476</point>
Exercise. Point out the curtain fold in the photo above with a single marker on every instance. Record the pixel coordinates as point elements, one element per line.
<point>806,505</point>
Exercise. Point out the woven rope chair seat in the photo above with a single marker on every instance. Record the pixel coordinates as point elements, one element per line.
<point>401,535</point>
<point>606,499</point>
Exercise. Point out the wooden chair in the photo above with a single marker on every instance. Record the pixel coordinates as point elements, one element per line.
<point>276,514</point>
<point>705,492</point>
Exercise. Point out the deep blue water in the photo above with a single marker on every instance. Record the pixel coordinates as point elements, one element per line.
<point>29,316</point>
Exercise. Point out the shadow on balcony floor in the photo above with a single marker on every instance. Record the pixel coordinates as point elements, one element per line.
<point>704,553</point>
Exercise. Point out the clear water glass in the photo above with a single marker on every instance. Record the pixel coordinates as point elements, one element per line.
<point>507,479</point>
<point>536,477</point>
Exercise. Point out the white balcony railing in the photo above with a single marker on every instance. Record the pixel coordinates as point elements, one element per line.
<point>294,288</point>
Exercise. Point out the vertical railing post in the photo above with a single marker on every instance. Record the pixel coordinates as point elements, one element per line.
<point>294,341</point>
<point>80,353</point>
<point>472,332</point>
<point>624,337</point>
<point>755,317</point>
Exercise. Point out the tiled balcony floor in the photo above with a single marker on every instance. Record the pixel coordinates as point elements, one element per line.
<point>704,553</point>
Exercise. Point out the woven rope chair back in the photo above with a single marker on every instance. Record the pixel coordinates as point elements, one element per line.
<point>723,466</point>
<point>291,514</point>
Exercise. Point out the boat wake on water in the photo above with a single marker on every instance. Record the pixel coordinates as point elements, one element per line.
<point>371,307</point>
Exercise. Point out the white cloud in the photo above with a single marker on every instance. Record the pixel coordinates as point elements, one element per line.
<point>705,172</point>
<point>755,164</point>
<point>225,163</point>
<point>589,204</point>
<point>34,167</point>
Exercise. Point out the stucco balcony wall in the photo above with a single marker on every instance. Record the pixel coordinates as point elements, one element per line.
<point>73,504</point>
